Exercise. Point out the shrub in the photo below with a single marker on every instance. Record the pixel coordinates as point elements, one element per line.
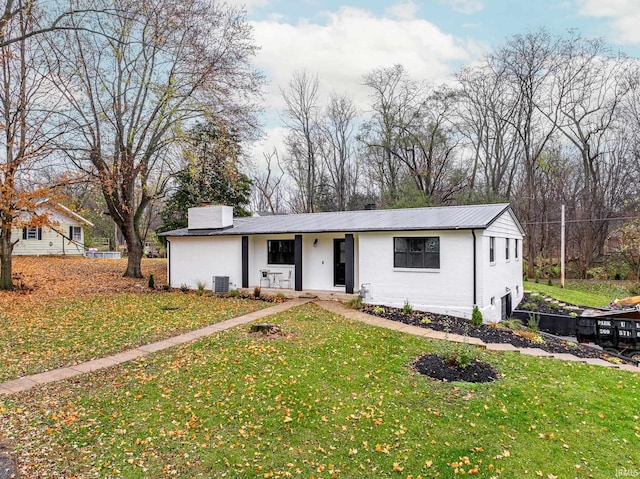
<point>634,289</point>
<point>379,310</point>
<point>533,322</point>
<point>513,324</point>
<point>166,287</point>
<point>425,320</point>
<point>476,316</point>
<point>184,288</point>
<point>407,308</point>
<point>537,277</point>
<point>599,272</point>
<point>234,293</point>
<point>532,336</point>
<point>456,354</point>
<point>257,292</point>
<point>200,285</point>
<point>529,306</point>
<point>152,282</point>
<point>549,282</point>
<point>355,303</point>
<point>281,296</point>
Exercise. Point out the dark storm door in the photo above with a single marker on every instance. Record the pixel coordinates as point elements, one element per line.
<point>339,262</point>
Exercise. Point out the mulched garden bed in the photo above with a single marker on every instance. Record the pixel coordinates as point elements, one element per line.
<point>487,333</point>
<point>538,304</point>
<point>437,367</point>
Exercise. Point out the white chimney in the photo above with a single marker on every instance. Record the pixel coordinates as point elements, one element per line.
<point>210,217</point>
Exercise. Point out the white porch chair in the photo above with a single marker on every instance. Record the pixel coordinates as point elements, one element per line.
<point>265,281</point>
<point>286,280</point>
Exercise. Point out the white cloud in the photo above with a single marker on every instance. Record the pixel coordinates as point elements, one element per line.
<point>350,43</point>
<point>403,11</point>
<point>624,16</point>
<point>468,7</point>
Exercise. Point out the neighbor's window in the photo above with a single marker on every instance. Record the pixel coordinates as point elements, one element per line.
<point>416,252</point>
<point>75,233</point>
<point>492,249</point>
<point>31,233</point>
<point>280,251</point>
<point>506,248</point>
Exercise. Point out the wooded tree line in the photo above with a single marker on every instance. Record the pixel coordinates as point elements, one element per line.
<point>542,121</point>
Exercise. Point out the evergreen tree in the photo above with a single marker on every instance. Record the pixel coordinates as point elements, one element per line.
<point>211,175</point>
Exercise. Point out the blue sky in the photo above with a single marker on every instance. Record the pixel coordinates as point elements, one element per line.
<point>341,41</point>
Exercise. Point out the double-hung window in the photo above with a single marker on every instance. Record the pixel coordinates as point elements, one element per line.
<point>75,233</point>
<point>506,248</point>
<point>416,252</point>
<point>492,249</point>
<point>31,233</point>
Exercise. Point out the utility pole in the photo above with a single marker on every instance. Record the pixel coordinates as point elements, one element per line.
<point>562,247</point>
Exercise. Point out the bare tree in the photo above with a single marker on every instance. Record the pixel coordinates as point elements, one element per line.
<point>338,149</point>
<point>411,134</point>
<point>594,86</point>
<point>155,66</point>
<point>487,115</point>
<point>301,118</point>
<point>267,185</point>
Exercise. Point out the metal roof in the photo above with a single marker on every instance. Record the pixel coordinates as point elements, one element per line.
<point>408,219</point>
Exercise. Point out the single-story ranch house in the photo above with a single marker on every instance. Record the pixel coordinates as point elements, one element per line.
<point>443,260</point>
<point>64,236</point>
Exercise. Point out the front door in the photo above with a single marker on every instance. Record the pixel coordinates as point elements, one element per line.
<point>338,262</point>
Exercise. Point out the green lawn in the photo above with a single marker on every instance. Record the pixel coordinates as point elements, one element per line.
<point>39,337</point>
<point>583,293</point>
<point>333,398</point>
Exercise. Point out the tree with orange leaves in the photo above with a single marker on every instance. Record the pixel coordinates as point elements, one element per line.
<point>25,138</point>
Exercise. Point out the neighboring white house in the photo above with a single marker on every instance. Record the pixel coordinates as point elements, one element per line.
<point>65,236</point>
<point>443,260</point>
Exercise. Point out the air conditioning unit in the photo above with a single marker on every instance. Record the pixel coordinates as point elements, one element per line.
<point>221,284</point>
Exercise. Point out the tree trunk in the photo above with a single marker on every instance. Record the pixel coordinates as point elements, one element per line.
<point>134,259</point>
<point>6,250</point>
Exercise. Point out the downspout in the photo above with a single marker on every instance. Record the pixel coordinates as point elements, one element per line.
<point>475,299</point>
<point>168,262</point>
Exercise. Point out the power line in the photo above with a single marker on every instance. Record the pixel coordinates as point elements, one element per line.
<point>583,221</point>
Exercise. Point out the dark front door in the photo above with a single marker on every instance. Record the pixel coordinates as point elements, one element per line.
<point>338,262</point>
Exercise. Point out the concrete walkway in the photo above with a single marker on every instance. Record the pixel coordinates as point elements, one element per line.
<point>341,309</point>
<point>27,382</point>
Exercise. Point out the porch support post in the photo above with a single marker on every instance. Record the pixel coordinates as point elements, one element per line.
<point>245,261</point>
<point>349,263</point>
<point>297,261</point>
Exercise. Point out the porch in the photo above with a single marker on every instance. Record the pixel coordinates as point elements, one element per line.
<point>322,295</point>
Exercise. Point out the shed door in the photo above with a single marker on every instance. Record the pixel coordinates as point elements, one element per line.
<point>339,262</point>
